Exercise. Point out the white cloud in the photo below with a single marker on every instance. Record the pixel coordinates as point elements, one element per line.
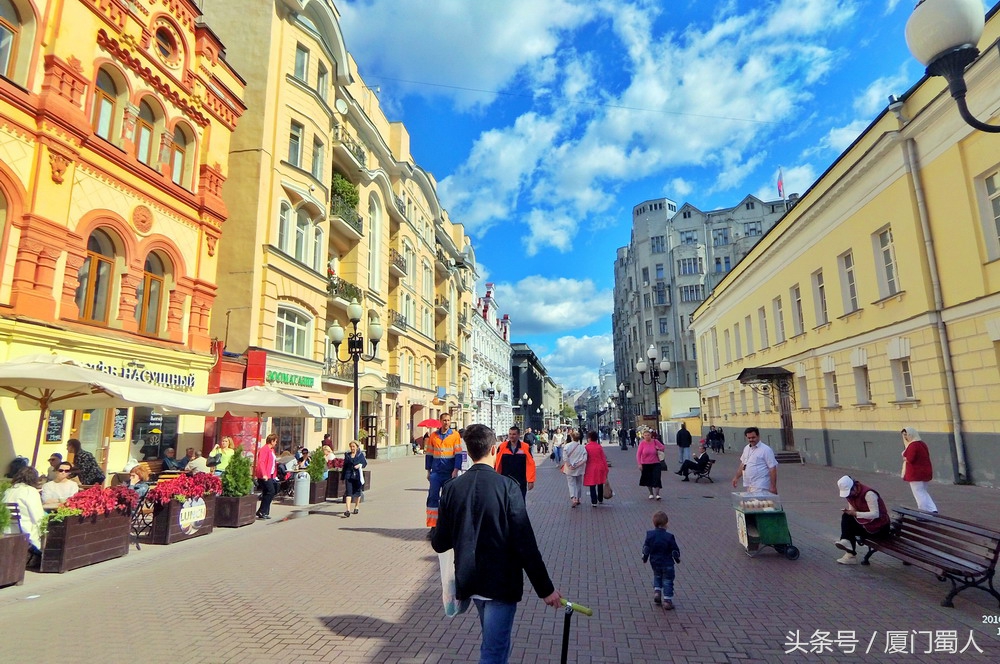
<point>575,360</point>
<point>678,189</point>
<point>538,305</point>
<point>890,5</point>
<point>797,179</point>
<point>839,139</point>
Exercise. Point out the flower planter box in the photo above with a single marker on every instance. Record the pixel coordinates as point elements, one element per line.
<point>78,541</point>
<point>317,492</point>
<point>176,522</point>
<point>13,556</point>
<point>335,484</point>
<point>233,512</point>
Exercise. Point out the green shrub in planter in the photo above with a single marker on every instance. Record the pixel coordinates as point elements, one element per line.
<point>4,510</point>
<point>237,481</point>
<point>341,186</point>
<point>317,465</point>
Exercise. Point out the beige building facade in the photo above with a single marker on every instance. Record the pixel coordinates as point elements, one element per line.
<point>328,207</point>
<point>874,303</point>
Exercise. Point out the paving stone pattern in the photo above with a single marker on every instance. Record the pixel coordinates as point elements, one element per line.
<point>313,586</point>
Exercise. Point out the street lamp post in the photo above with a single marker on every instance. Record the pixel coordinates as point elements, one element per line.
<point>623,394</point>
<point>523,405</point>
<point>942,35</point>
<point>655,370</point>
<point>541,412</point>
<point>581,415</point>
<point>355,349</point>
<point>490,392</point>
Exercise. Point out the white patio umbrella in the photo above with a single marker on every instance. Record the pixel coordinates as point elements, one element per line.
<point>43,382</point>
<point>261,400</point>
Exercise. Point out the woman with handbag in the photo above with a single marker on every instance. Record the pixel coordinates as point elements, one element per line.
<point>221,455</point>
<point>354,463</point>
<point>649,456</point>
<point>574,466</point>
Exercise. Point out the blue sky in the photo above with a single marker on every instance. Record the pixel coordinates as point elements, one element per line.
<point>546,121</point>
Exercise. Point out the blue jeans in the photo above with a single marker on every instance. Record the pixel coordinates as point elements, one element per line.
<point>558,453</point>
<point>663,577</point>
<point>497,622</point>
<point>684,454</point>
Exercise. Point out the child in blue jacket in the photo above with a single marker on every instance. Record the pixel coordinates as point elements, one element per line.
<point>661,551</point>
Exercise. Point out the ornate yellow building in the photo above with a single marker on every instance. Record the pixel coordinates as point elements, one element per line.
<point>329,206</point>
<point>115,121</point>
<point>874,303</point>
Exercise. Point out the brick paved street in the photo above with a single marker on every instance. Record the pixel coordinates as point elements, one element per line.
<point>315,586</point>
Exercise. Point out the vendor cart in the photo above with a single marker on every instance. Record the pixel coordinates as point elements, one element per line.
<point>761,522</point>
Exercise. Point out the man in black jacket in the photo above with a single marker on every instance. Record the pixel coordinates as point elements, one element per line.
<point>683,444</point>
<point>482,516</point>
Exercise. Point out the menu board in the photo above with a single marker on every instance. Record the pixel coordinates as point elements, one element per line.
<point>118,428</point>
<point>54,426</point>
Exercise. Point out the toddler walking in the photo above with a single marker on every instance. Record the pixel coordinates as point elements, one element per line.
<point>661,551</point>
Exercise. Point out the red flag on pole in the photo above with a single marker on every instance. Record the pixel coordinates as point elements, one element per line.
<point>781,185</point>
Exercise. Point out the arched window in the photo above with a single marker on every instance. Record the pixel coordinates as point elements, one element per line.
<point>375,244</point>
<point>105,105</point>
<point>319,249</point>
<point>179,158</point>
<point>93,295</point>
<point>409,369</point>
<point>427,287</point>
<point>284,226</point>
<point>291,332</point>
<point>145,134</point>
<point>149,296</point>
<point>10,30</point>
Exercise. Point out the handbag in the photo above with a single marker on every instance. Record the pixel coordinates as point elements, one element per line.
<point>608,493</point>
<point>663,459</point>
<point>449,591</point>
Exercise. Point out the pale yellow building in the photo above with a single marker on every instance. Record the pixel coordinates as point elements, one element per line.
<point>329,206</point>
<point>115,122</point>
<point>875,302</point>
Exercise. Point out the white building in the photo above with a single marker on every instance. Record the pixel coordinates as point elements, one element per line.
<point>491,362</point>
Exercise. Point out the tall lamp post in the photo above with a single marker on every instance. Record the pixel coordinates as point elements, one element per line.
<point>655,371</point>
<point>541,412</point>
<point>355,349</point>
<point>581,415</point>
<point>523,404</point>
<point>490,392</point>
<point>942,35</point>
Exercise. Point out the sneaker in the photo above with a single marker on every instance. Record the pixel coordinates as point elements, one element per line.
<point>657,597</point>
<point>686,479</point>
<point>844,545</point>
<point>668,605</point>
<point>650,496</point>
<point>848,559</point>
<point>657,496</point>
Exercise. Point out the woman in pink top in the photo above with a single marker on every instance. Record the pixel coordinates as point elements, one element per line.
<point>649,463</point>
<point>264,472</point>
<point>596,473</point>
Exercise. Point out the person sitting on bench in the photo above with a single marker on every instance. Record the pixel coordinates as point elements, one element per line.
<point>864,517</point>
<point>698,465</point>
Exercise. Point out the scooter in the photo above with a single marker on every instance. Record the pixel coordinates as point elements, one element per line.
<point>571,608</point>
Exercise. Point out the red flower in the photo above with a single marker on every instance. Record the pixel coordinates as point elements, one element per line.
<point>185,486</point>
<point>98,500</point>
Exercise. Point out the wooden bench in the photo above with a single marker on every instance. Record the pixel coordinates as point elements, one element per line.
<point>706,473</point>
<point>961,552</point>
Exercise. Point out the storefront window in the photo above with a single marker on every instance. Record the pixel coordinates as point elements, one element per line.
<point>152,433</point>
<point>291,432</point>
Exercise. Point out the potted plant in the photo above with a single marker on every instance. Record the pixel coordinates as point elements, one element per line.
<point>334,479</point>
<point>184,507</point>
<point>13,547</point>
<point>92,526</point>
<point>317,483</point>
<point>237,504</point>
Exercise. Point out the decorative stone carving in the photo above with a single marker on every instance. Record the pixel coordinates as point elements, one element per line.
<point>142,219</point>
<point>212,240</point>
<point>59,163</point>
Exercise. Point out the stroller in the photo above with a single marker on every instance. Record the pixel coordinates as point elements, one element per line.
<point>286,482</point>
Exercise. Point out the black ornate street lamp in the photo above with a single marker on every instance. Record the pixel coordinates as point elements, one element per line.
<point>523,405</point>
<point>489,392</point>
<point>581,415</point>
<point>942,35</point>
<point>655,370</point>
<point>626,396</point>
<point>355,348</point>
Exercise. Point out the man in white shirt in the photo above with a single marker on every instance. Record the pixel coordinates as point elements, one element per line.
<point>56,492</point>
<point>757,465</point>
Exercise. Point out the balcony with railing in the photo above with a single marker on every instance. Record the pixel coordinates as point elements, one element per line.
<point>442,349</point>
<point>463,320</point>
<point>400,205</point>
<point>345,219</point>
<point>397,322</point>
<point>338,371</point>
<point>397,263</point>
<point>342,291</point>
<point>464,359</point>
<point>442,306</point>
<point>351,146</point>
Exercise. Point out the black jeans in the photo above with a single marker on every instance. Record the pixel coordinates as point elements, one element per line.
<point>851,530</point>
<point>596,494</point>
<point>268,489</point>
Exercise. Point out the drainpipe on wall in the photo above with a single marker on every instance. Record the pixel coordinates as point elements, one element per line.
<point>911,163</point>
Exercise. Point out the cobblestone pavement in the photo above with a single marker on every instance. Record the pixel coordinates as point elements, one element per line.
<point>312,586</point>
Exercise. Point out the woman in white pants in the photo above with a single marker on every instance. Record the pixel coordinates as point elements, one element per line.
<point>917,470</point>
<point>574,465</point>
